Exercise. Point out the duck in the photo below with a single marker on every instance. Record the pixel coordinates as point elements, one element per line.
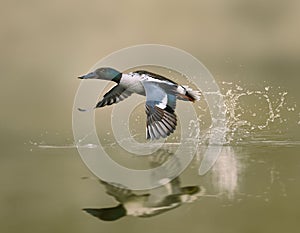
<point>158,201</point>
<point>161,96</point>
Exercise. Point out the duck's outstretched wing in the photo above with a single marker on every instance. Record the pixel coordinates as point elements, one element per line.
<point>115,95</point>
<point>160,106</point>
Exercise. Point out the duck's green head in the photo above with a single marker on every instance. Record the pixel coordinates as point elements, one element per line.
<point>104,73</point>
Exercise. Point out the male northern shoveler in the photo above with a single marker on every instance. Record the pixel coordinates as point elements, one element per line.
<point>161,95</point>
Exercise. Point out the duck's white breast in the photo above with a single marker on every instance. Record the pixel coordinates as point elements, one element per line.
<point>132,81</point>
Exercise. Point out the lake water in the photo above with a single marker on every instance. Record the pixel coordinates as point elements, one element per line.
<point>253,187</point>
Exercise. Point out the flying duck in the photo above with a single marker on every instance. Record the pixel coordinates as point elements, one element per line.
<point>161,95</point>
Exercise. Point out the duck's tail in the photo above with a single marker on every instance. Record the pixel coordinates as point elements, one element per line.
<point>188,94</point>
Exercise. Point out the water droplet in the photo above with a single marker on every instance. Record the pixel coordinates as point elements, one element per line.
<point>91,146</point>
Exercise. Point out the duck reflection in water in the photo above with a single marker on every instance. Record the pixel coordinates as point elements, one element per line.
<point>155,202</point>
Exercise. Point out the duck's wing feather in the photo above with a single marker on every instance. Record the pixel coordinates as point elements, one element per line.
<point>114,95</point>
<point>160,106</point>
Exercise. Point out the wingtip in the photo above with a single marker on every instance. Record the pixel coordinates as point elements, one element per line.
<point>81,109</point>
<point>86,110</point>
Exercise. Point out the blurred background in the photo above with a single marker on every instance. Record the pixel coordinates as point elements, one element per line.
<point>45,45</point>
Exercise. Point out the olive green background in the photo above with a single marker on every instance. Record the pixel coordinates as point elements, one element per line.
<point>45,45</point>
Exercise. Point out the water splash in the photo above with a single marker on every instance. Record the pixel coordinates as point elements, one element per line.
<point>41,144</point>
<point>256,116</point>
<point>252,112</point>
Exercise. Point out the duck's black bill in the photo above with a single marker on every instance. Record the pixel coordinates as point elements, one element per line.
<point>88,76</point>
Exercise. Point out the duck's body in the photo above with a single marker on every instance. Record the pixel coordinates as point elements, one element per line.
<point>161,95</point>
<point>133,83</point>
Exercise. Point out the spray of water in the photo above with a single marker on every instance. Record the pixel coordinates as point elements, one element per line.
<point>261,115</point>
<point>252,113</point>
